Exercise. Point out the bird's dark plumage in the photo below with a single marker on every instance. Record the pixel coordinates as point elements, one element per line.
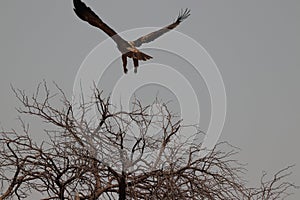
<point>128,49</point>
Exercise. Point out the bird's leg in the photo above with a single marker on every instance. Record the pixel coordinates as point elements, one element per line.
<point>136,64</point>
<point>124,60</point>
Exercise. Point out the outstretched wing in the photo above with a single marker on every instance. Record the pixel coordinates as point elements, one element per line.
<point>183,14</point>
<point>86,14</point>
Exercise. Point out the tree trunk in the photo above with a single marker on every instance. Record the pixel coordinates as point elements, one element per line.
<point>122,187</point>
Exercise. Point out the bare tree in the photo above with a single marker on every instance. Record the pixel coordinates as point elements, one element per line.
<point>96,152</point>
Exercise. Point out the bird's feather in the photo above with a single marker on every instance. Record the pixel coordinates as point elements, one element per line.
<point>87,14</point>
<point>183,14</point>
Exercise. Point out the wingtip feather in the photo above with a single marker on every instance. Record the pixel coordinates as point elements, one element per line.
<point>82,10</point>
<point>78,4</point>
<point>183,14</point>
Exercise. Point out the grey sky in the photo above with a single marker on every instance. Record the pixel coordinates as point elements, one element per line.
<point>255,44</point>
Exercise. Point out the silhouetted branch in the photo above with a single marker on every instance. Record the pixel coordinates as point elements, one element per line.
<point>114,154</point>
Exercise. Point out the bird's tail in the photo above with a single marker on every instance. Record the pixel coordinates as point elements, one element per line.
<point>138,55</point>
<point>141,56</point>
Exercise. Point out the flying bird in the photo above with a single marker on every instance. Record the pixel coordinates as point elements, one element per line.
<point>127,48</point>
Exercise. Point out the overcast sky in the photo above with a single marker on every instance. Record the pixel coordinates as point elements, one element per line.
<point>255,45</point>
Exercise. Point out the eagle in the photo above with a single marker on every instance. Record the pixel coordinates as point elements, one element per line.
<point>128,49</point>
